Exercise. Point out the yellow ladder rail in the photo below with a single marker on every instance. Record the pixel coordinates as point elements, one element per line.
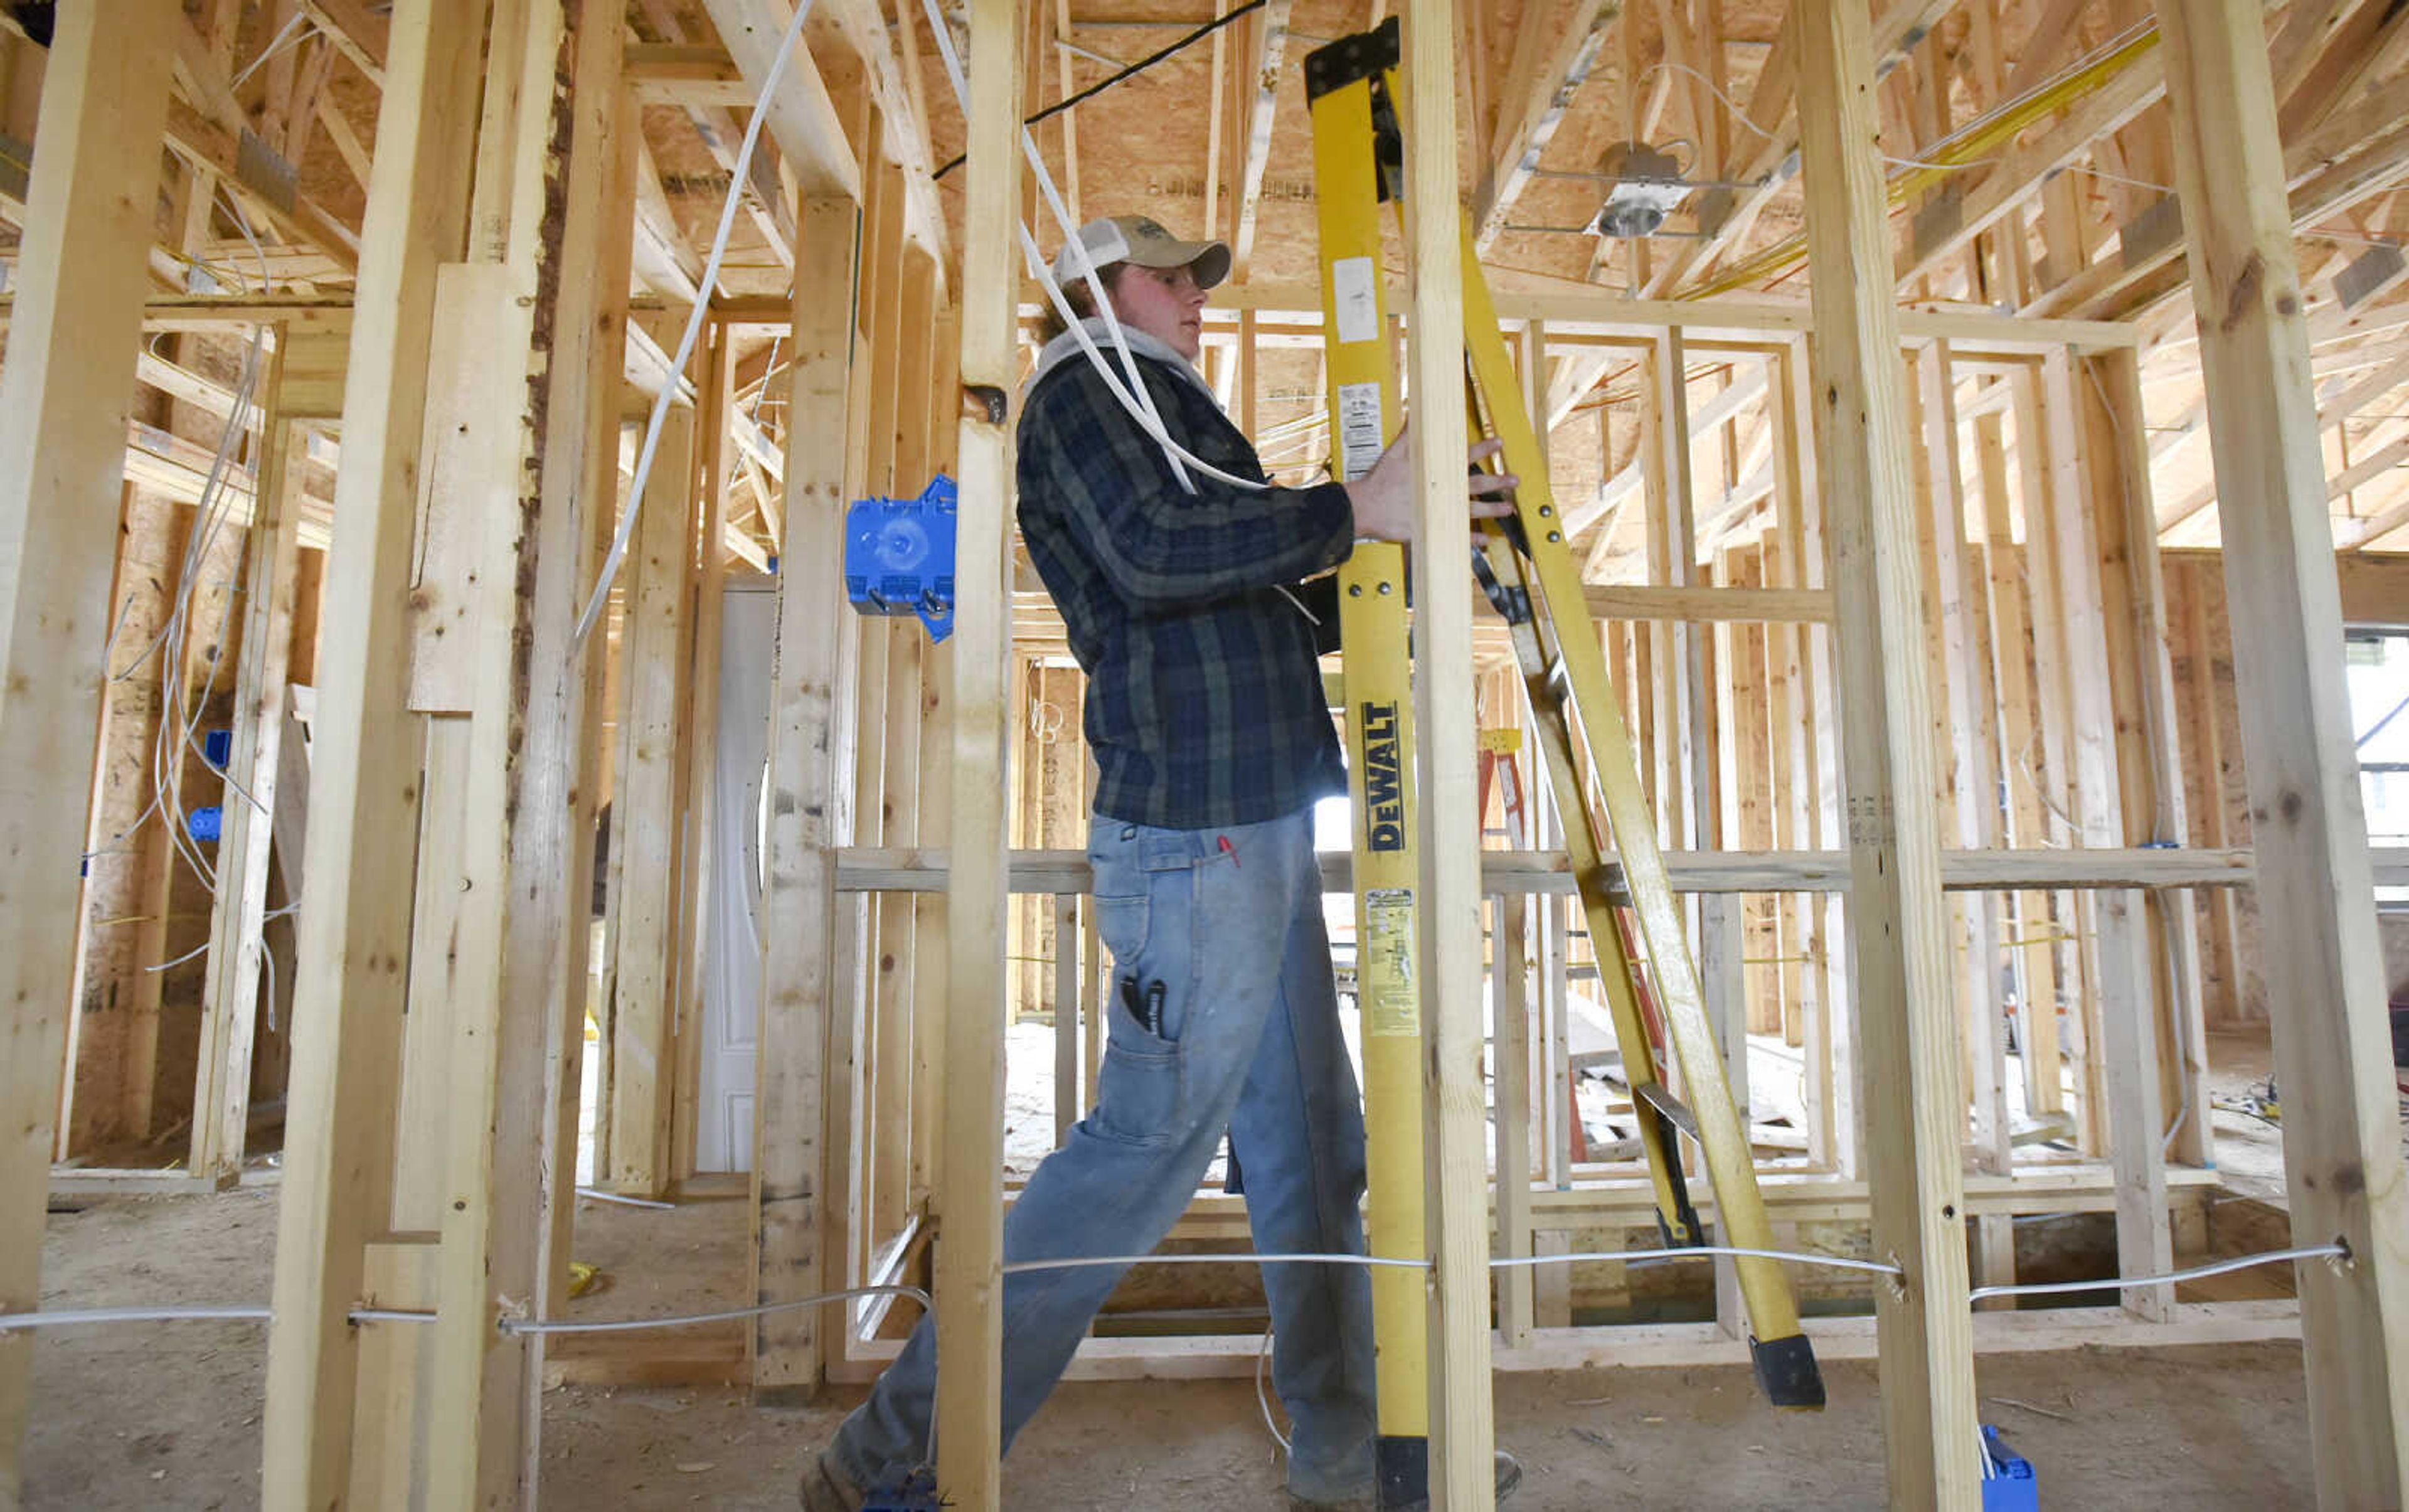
<point>1611,835</point>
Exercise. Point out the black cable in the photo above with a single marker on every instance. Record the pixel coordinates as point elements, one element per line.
<point>1138,67</point>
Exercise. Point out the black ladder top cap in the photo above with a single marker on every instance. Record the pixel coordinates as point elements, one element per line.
<point>1333,65</point>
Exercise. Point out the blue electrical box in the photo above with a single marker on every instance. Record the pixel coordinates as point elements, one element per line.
<point>2008,1482</point>
<point>898,556</point>
<point>217,747</point>
<point>206,824</point>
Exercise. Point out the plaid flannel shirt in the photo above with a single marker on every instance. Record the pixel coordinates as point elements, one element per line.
<point>1204,701</point>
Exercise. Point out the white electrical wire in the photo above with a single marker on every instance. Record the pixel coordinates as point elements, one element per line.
<point>2240,1263</point>
<point>19,1322</point>
<point>710,280</point>
<point>518,1326</point>
<point>530,1327</point>
<point>1284,1258</point>
<point>535,1326</point>
<point>1263,1397</point>
<point>1140,405</point>
<point>276,45</point>
<point>2089,172</point>
<point>215,510</point>
<point>600,1196</point>
<point>1143,410</point>
<point>1648,1257</point>
<point>1738,114</point>
<point>1940,167</point>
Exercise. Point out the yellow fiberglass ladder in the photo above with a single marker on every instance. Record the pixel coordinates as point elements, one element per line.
<point>1635,922</point>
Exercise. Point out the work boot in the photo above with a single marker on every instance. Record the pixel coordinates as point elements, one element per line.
<point>828,1488</point>
<point>1510,1476</point>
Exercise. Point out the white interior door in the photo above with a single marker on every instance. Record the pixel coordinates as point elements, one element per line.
<point>732,964</point>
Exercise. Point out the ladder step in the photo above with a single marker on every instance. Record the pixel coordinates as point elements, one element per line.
<point>1656,1096</point>
<point>1560,684</point>
<point>1610,881</point>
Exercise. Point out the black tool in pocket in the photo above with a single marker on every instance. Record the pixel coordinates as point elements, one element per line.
<point>1145,1009</point>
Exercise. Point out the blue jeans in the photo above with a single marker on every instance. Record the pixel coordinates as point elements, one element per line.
<point>1229,921</point>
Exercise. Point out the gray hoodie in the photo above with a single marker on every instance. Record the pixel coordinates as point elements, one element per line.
<point>1066,348</point>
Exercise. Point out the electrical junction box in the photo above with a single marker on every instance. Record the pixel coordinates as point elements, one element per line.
<point>2009,1484</point>
<point>899,555</point>
<point>1648,185</point>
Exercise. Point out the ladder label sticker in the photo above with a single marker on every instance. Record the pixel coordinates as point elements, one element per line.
<point>1384,778</point>
<point>1355,298</point>
<point>1359,429</point>
<point>1390,1003</point>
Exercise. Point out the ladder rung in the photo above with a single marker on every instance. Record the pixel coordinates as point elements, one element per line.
<point>1655,1095</point>
<point>1613,884</point>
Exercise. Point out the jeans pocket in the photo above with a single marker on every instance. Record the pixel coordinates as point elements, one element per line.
<point>1122,924</point>
<point>1137,1088</point>
<point>1133,881</point>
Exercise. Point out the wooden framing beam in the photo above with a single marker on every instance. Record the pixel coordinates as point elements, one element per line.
<point>222,1084</point>
<point>1902,27</point>
<point>2351,156</point>
<point>1271,50</point>
<point>2342,1154</point>
<point>646,812</point>
<point>2025,166</point>
<point>720,132</point>
<point>810,805</point>
<point>802,120</point>
<point>1547,874</point>
<point>363,781</point>
<point>65,396</point>
<point>969,1279</point>
<point>1448,916</point>
<point>933,986</point>
<point>551,852</point>
<point>894,86</point>
<point>1971,786</point>
<point>355,30</point>
<point>1910,1097</point>
<point>1550,65</point>
<point>210,134</point>
<point>2121,1086</point>
<point>2150,760</point>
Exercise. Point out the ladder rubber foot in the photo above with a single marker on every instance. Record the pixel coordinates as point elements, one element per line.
<point>1786,1370</point>
<point>1401,1467</point>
